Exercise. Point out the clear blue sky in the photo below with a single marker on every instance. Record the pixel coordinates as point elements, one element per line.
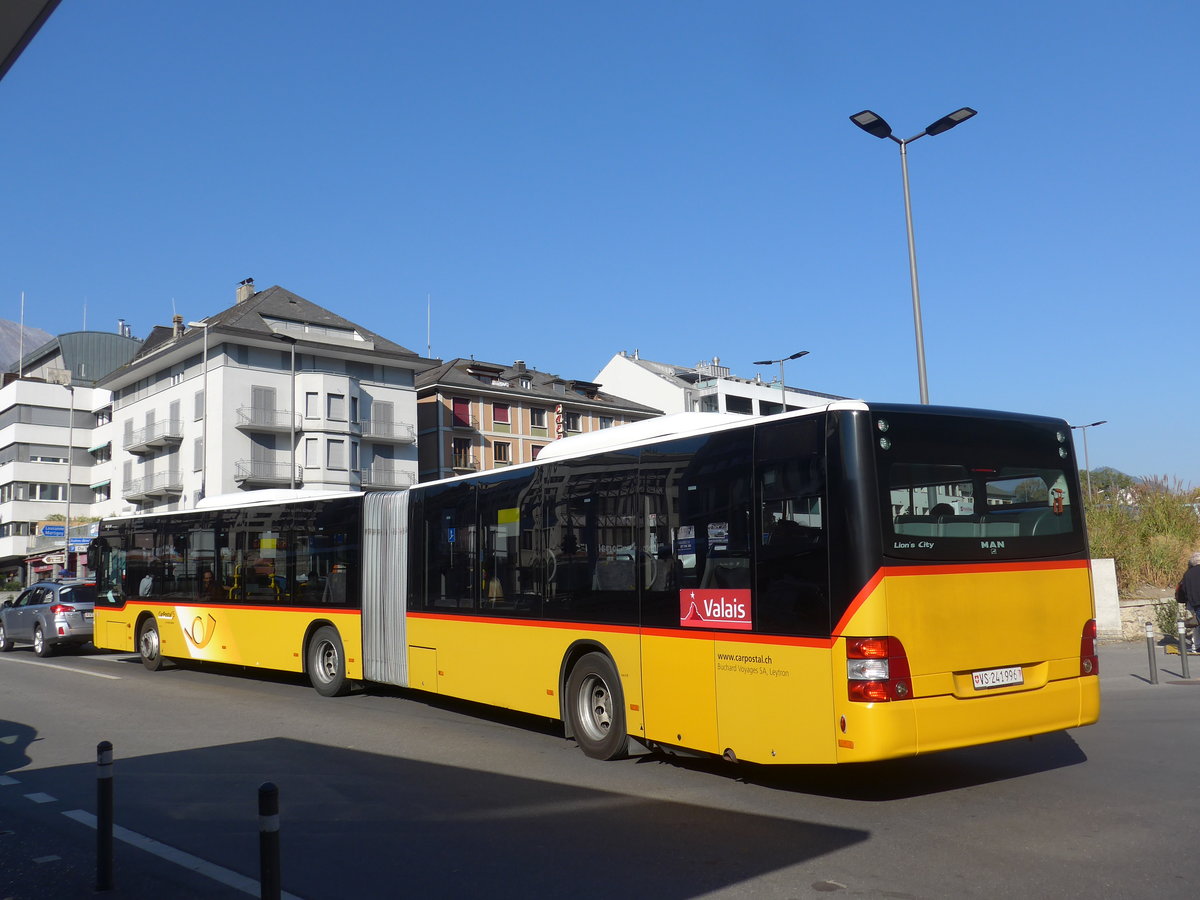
<point>566,180</point>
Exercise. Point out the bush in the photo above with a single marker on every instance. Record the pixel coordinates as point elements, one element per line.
<point>1150,538</point>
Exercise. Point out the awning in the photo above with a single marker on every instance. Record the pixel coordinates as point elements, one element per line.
<point>99,447</point>
<point>100,484</point>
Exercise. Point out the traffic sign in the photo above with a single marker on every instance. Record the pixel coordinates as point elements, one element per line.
<point>52,530</point>
<point>55,559</point>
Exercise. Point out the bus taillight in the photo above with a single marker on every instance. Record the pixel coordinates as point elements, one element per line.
<point>877,670</point>
<point>1089,662</point>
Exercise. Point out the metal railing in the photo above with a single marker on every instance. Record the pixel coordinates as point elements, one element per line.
<point>400,432</point>
<point>272,419</point>
<point>153,485</point>
<point>260,471</point>
<point>154,434</point>
<point>386,478</point>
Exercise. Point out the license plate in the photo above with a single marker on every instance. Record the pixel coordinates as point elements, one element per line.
<point>87,616</point>
<point>994,678</point>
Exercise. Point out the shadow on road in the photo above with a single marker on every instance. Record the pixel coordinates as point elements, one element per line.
<point>898,779</point>
<point>362,824</point>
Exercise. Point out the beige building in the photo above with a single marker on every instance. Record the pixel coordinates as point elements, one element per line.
<point>473,415</point>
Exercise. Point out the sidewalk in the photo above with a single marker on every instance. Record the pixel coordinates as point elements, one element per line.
<point>1127,663</point>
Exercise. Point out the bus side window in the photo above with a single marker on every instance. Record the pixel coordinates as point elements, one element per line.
<point>792,594</point>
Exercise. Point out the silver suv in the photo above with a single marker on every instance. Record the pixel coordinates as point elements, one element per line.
<point>49,614</point>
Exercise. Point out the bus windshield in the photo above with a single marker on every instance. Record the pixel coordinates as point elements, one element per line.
<point>958,489</point>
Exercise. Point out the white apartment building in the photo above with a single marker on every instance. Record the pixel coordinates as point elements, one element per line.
<point>705,387</point>
<point>274,392</point>
<point>55,454</point>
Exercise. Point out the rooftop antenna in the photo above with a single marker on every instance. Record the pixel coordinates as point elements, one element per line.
<point>428,326</point>
<point>21,341</point>
<point>85,312</point>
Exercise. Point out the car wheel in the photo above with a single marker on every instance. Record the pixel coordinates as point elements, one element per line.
<point>149,646</point>
<point>40,645</point>
<point>596,707</point>
<point>327,663</point>
<point>5,643</point>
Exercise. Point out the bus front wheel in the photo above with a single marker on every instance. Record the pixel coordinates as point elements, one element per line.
<point>596,707</point>
<point>327,663</point>
<point>149,646</point>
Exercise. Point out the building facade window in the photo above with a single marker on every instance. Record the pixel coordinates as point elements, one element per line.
<point>312,405</point>
<point>606,422</point>
<point>336,454</point>
<point>462,453</point>
<point>502,453</point>
<point>537,417</point>
<point>336,407</point>
<point>46,491</point>
<point>571,421</point>
<point>312,453</point>
<point>500,414</point>
<point>461,411</point>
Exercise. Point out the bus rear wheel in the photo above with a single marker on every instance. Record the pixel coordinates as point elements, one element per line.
<point>596,707</point>
<point>327,663</point>
<point>149,645</point>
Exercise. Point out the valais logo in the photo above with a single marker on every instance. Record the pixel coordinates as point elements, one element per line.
<point>715,609</point>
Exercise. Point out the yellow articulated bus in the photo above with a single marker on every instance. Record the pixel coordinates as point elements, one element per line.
<point>842,584</point>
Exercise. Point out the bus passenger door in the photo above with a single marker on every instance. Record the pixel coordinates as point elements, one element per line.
<point>678,689</point>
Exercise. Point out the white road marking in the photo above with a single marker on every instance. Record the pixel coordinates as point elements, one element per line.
<point>44,665</point>
<point>46,859</point>
<point>40,798</point>
<point>186,860</point>
<point>7,780</point>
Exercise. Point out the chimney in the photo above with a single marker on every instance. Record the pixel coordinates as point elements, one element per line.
<point>245,290</point>
<point>176,325</point>
<point>121,327</point>
<point>519,365</point>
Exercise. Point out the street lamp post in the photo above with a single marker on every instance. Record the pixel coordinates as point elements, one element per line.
<point>291,342</point>
<point>875,125</point>
<point>782,383</point>
<point>204,420</point>
<point>1086,463</point>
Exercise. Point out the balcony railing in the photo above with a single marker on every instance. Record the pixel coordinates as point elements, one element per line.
<point>264,472</point>
<point>392,432</point>
<point>386,478</point>
<point>253,418</point>
<point>159,484</point>
<point>153,436</point>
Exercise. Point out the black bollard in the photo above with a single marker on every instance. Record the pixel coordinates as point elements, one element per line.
<point>104,816</point>
<point>268,841</point>
<point>1181,630</point>
<point>1150,651</point>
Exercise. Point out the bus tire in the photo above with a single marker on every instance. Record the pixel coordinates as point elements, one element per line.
<point>150,646</point>
<point>327,663</point>
<point>596,707</point>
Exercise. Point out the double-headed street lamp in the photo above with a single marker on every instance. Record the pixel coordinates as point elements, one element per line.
<point>1086,464</point>
<point>875,125</point>
<point>782,383</point>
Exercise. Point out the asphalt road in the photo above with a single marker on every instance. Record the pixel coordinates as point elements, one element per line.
<point>386,794</point>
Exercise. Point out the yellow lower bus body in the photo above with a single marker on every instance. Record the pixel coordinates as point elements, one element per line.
<point>760,698</point>
<point>255,636</point>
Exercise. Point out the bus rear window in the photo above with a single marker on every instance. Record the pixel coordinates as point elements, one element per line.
<point>960,511</point>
